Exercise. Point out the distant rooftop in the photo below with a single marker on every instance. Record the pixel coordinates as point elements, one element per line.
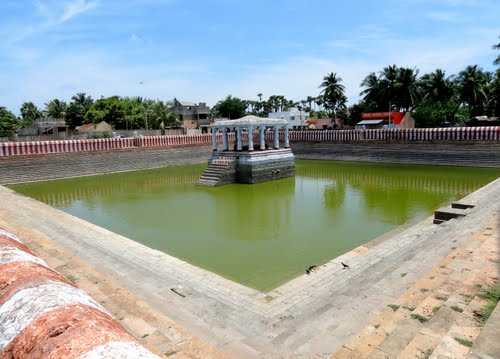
<point>187,103</point>
<point>370,122</point>
<point>250,120</point>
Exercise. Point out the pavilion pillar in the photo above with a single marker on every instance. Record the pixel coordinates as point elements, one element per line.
<point>287,141</point>
<point>276,137</point>
<point>262,138</point>
<point>214,139</point>
<point>225,140</point>
<point>239,146</point>
<point>250,138</point>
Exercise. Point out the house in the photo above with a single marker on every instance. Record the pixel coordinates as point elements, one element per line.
<point>296,118</point>
<point>192,115</point>
<point>45,126</point>
<point>371,124</point>
<point>319,123</point>
<point>393,119</point>
<point>95,128</point>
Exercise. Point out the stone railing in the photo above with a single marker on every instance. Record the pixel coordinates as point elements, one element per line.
<point>452,134</point>
<point>413,135</point>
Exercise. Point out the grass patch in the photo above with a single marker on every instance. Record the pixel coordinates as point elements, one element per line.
<point>424,290</point>
<point>441,297</point>
<point>492,296</point>
<point>403,275</point>
<point>435,309</point>
<point>465,342</point>
<point>419,317</point>
<point>457,309</point>
<point>411,308</point>
<point>394,307</point>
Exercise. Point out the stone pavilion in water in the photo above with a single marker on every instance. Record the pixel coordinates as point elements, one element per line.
<point>251,152</point>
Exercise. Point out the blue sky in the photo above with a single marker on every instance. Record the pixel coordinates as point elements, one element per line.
<point>204,50</point>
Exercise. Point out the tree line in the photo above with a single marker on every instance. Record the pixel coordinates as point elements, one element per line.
<point>435,98</point>
<point>123,113</point>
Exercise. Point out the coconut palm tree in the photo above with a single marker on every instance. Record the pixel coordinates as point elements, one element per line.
<point>372,90</point>
<point>436,87</point>
<point>392,86</point>
<point>332,93</point>
<point>406,90</point>
<point>56,109</point>
<point>472,84</point>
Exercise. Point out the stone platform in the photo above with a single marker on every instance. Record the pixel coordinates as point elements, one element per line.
<point>261,166</point>
<point>248,163</point>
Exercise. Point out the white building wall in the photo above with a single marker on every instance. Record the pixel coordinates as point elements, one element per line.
<point>294,116</point>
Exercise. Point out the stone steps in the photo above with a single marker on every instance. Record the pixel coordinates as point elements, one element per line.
<point>436,317</point>
<point>216,172</point>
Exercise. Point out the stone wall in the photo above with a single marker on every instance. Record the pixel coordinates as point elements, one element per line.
<point>61,165</point>
<point>462,154</point>
<point>44,315</point>
<point>256,167</point>
<point>16,169</point>
<point>409,135</point>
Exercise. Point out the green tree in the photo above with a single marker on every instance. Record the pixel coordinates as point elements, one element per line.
<point>354,114</point>
<point>436,87</point>
<point>392,87</point>
<point>77,109</point>
<point>332,94</point>
<point>29,113</point>
<point>472,85</point>
<point>56,109</point>
<point>493,102</point>
<point>436,113</point>
<point>230,107</point>
<point>108,109</point>
<point>83,100</point>
<point>8,123</point>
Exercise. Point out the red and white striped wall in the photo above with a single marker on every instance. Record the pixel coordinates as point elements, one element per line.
<point>410,135</point>
<point>43,315</point>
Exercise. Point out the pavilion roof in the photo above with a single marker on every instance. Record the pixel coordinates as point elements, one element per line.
<point>250,120</point>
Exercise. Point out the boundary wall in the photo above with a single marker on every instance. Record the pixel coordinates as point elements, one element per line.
<point>414,135</point>
<point>43,315</point>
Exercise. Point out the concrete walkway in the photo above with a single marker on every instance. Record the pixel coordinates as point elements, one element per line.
<point>310,316</point>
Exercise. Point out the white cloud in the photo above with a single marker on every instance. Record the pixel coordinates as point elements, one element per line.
<point>57,12</point>
<point>75,8</point>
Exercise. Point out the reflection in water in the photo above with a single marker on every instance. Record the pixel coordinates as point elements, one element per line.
<point>248,215</point>
<point>261,235</point>
<point>393,192</point>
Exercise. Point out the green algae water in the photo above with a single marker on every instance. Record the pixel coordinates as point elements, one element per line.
<point>266,234</point>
